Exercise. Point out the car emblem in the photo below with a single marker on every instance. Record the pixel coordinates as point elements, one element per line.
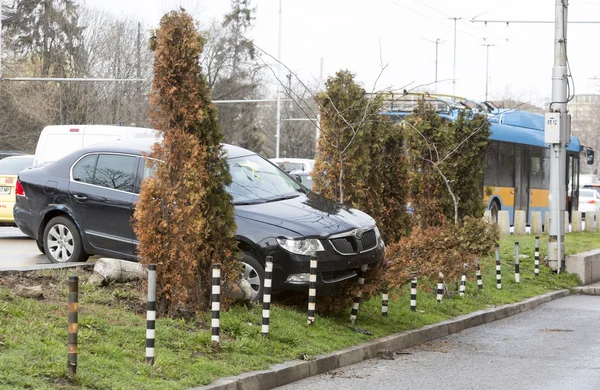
<point>358,233</point>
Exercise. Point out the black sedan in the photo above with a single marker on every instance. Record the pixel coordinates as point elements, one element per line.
<point>82,205</point>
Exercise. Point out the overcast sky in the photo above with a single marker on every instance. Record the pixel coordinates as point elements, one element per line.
<point>360,35</point>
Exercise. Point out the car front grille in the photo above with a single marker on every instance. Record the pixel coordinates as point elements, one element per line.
<point>343,245</point>
<point>351,245</point>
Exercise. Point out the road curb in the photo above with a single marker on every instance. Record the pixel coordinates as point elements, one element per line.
<point>285,373</point>
<point>588,290</point>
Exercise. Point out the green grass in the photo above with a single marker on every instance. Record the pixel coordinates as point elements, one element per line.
<point>33,333</point>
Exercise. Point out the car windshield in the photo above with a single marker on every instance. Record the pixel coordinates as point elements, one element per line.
<point>255,180</point>
<point>12,166</point>
<point>291,166</point>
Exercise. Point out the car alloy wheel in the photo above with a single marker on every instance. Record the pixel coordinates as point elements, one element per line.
<point>254,273</point>
<point>60,243</point>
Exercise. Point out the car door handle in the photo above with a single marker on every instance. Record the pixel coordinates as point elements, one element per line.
<point>80,197</point>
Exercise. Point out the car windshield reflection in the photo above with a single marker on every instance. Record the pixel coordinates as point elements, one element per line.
<point>255,180</point>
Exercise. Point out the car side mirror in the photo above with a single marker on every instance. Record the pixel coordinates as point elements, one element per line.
<point>298,178</point>
<point>590,156</point>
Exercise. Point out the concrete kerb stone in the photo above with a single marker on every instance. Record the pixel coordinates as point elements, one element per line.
<point>285,373</point>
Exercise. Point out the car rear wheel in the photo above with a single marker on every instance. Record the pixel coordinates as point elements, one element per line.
<point>62,241</point>
<point>254,273</point>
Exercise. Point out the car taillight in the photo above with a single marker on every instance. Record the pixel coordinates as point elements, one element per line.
<point>591,201</point>
<point>19,190</point>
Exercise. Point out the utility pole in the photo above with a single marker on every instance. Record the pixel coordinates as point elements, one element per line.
<point>437,42</point>
<point>454,61</point>
<point>317,127</point>
<point>278,119</point>
<point>0,49</point>
<point>487,67</point>
<point>557,133</point>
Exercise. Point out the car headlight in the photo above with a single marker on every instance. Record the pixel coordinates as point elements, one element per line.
<point>301,247</point>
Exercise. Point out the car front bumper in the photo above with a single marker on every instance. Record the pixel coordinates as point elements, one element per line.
<point>332,268</point>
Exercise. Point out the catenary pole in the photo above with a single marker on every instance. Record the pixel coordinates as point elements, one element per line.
<point>487,68</point>
<point>557,133</point>
<point>454,60</point>
<point>278,119</point>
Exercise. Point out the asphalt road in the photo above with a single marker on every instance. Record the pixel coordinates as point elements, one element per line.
<point>18,250</point>
<point>555,346</point>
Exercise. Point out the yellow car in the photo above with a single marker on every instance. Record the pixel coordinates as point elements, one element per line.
<point>9,170</point>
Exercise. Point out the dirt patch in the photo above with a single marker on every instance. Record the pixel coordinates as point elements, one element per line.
<point>54,285</point>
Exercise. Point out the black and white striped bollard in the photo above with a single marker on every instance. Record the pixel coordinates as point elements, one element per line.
<point>478,274</point>
<point>517,272</point>
<point>536,270</point>
<point>440,288</point>
<point>215,322</point>
<point>266,313</point>
<point>498,270</point>
<point>312,291</point>
<point>384,302</point>
<point>151,314</point>
<point>413,294</point>
<point>356,303</point>
<point>463,284</point>
<point>73,325</point>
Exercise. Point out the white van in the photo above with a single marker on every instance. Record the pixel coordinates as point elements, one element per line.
<point>58,141</point>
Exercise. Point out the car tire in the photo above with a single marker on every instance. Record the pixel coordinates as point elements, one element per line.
<point>40,246</point>
<point>62,242</point>
<point>254,272</point>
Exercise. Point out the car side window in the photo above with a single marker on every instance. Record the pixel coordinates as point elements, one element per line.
<point>116,172</point>
<point>83,171</point>
<point>143,172</point>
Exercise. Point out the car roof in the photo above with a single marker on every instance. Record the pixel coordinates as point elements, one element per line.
<point>10,153</point>
<point>137,146</point>
<point>19,156</point>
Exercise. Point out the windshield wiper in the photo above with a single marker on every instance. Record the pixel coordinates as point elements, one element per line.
<point>284,197</point>
<point>248,202</point>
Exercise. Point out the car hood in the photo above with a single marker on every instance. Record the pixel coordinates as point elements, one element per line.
<point>308,215</point>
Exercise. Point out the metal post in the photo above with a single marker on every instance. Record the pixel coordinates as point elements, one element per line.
<point>413,294</point>
<point>151,314</point>
<point>536,254</point>
<point>498,270</point>
<point>312,291</point>
<point>384,302</point>
<point>478,274</point>
<point>487,67</point>
<point>463,284</point>
<point>216,303</point>
<point>440,288</point>
<point>559,141</point>
<point>278,119</point>
<point>356,303</point>
<point>0,41</point>
<point>437,42</point>
<point>73,326</point>
<point>517,266</point>
<point>266,313</point>
<point>454,60</point>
